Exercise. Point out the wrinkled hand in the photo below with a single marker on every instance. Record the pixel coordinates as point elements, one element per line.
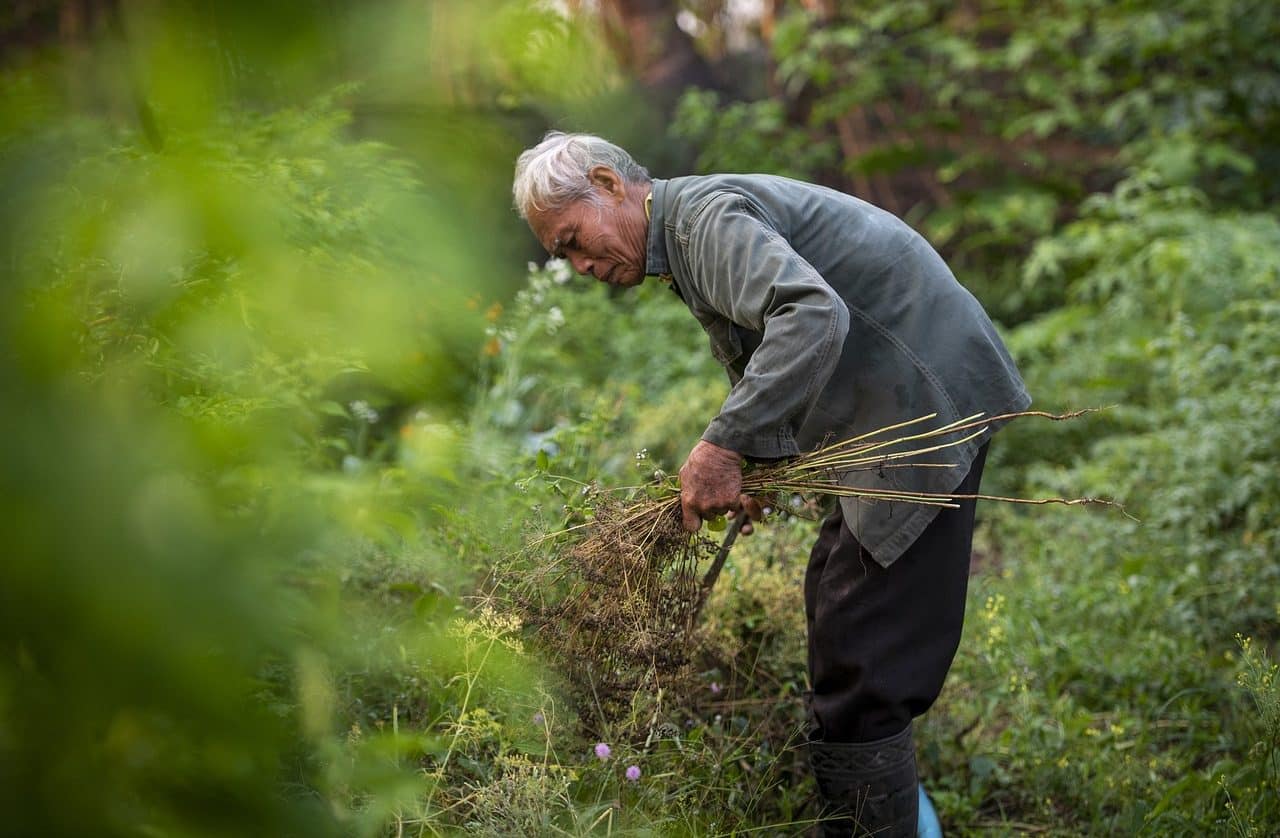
<point>711,485</point>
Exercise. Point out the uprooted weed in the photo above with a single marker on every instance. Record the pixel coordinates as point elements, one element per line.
<point>617,608</point>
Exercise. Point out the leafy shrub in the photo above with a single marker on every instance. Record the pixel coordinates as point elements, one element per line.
<point>1130,720</point>
<point>987,124</point>
<point>227,368</point>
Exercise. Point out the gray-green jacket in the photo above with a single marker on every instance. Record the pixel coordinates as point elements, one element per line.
<point>832,318</point>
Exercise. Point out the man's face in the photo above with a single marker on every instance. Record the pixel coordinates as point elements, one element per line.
<point>607,240</point>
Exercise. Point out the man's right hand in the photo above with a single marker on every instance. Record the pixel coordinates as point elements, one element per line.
<point>711,485</point>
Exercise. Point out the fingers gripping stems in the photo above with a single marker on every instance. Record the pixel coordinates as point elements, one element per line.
<point>711,485</point>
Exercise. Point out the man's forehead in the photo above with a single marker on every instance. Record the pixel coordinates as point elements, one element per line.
<point>547,226</point>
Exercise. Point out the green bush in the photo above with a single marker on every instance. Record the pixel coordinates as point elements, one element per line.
<point>987,124</point>
<point>228,369</point>
<point>1129,719</point>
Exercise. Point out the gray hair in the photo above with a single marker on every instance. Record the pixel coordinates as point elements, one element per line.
<point>554,173</point>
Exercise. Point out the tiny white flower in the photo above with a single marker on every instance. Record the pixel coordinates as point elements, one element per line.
<point>560,270</point>
<point>362,410</point>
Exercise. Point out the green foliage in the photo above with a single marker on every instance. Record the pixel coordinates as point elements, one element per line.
<point>250,484</point>
<point>1132,720</point>
<point>231,366</point>
<point>748,137</point>
<point>1173,304</point>
<point>989,122</point>
<point>596,380</point>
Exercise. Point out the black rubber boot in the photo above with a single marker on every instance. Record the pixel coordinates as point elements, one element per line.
<point>867,788</point>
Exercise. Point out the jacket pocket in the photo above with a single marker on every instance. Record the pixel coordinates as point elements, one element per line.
<point>726,346</point>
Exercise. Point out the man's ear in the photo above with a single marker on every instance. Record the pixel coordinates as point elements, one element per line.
<point>608,181</point>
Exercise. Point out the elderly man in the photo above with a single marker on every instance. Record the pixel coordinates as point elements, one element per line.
<point>832,318</point>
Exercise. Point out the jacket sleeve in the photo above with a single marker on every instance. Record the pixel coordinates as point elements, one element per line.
<point>750,274</point>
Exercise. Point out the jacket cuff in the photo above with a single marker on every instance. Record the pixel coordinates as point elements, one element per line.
<point>777,445</point>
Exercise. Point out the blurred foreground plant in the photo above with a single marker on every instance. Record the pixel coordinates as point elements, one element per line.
<point>192,340</point>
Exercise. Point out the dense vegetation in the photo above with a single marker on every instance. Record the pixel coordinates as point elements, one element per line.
<point>273,420</point>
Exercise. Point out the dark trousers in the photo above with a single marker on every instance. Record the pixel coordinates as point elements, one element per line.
<point>882,639</point>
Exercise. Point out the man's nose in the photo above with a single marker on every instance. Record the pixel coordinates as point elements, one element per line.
<point>580,263</point>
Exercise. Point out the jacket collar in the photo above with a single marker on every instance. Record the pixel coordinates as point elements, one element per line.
<point>655,255</point>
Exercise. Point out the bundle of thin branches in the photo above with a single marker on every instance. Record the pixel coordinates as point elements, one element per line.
<point>618,607</point>
<point>820,471</point>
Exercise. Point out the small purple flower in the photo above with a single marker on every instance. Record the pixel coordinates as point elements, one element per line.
<point>633,773</point>
<point>603,751</point>
<point>538,718</point>
<point>715,688</point>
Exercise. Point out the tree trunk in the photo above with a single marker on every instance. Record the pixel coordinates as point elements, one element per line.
<point>647,42</point>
